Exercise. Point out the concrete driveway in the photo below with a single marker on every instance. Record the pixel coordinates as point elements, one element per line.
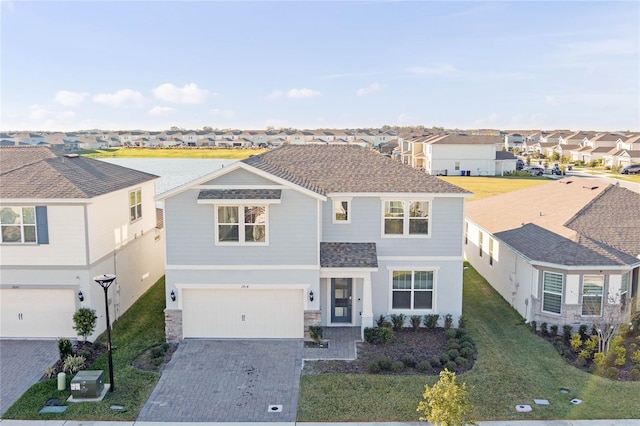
<point>228,381</point>
<point>22,363</point>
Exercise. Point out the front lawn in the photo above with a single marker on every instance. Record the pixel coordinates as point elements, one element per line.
<point>140,328</point>
<point>514,366</point>
<point>483,187</point>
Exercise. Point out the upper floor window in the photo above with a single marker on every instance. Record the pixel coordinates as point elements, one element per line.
<point>592,290</point>
<point>552,292</point>
<point>406,218</point>
<point>492,250</point>
<point>341,211</point>
<point>242,224</point>
<point>18,224</point>
<point>480,243</point>
<point>412,290</point>
<point>135,205</point>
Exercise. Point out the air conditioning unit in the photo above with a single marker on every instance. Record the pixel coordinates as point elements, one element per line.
<point>87,384</point>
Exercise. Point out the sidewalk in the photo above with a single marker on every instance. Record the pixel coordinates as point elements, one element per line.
<point>618,422</point>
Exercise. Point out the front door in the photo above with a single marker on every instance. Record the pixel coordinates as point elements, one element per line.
<point>341,300</point>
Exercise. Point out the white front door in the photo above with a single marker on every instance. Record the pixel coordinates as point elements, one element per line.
<point>243,313</point>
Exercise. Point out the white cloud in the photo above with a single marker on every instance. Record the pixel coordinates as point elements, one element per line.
<point>372,88</point>
<point>275,95</point>
<point>67,98</point>
<point>405,118</point>
<point>552,100</point>
<point>188,94</point>
<point>42,115</point>
<point>124,97</point>
<point>161,111</point>
<point>216,112</point>
<point>442,69</point>
<point>302,93</point>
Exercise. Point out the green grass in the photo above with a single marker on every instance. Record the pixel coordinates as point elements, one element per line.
<point>140,328</point>
<point>514,367</point>
<point>483,187</point>
<point>221,153</point>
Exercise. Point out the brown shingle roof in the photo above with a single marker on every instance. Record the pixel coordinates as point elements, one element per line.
<point>348,255</point>
<point>346,168</point>
<point>38,172</point>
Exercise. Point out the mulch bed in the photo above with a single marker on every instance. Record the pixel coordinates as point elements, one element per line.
<point>423,345</point>
<point>91,352</point>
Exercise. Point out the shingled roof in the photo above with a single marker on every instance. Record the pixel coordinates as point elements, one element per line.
<point>348,255</point>
<point>38,172</point>
<point>346,168</point>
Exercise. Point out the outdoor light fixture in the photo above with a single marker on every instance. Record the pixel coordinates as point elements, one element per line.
<point>173,296</point>
<point>311,296</point>
<point>105,281</point>
<point>80,296</point>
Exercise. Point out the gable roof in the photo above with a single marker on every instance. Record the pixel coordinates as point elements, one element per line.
<point>347,169</point>
<point>38,172</point>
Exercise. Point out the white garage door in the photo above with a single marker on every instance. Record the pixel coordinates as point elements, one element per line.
<point>37,313</point>
<point>243,313</point>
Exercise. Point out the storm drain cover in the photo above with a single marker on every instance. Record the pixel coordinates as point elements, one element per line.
<point>523,408</point>
<point>53,409</point>
<point>541,401</point>
<point>576,401</point>
<point>275,409</point>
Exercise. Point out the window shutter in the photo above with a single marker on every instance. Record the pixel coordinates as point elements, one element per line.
<point>42,225</point>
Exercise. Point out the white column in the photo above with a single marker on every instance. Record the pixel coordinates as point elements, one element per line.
<point>367,305</point>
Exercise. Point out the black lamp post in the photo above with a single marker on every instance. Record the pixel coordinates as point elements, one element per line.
<point>105,281</point>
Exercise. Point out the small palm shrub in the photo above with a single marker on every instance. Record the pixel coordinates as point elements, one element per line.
<point>431,321</point>
<point>73,364</point>
<point>65,348</point>
<point>397,321</point>
<point>416,320</point>
<point>448,321</point>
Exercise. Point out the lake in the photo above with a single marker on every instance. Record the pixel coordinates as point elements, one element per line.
<point>173,172</point>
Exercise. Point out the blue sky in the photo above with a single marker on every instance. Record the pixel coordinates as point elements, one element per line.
<point>152,65</point>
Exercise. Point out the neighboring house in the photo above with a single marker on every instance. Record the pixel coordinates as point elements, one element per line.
<point>514,141</point>
<point>301,235</point>
<point>65,219</point>
<point>558,253</point>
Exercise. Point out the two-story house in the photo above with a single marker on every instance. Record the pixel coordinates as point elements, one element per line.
<point>303,235</point>
<point>65,219</point>
<point>563,253</point>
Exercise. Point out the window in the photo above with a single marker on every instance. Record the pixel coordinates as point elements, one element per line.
<point>412,290</point>
<point>552,292</point>
<point>466,233</point>
<point>18,224</point>
<point>592,289</point>
<point>480,237</point>
<point>406,218</point>
<point>135,205</point>
<point>247,227</point>
<point>457,166</point>
<point>492,244</point>
<point>624,289</point>
<point>341,211</point>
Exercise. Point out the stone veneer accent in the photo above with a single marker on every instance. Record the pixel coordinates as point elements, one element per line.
<point>311,318</point>
<point>173,324</point>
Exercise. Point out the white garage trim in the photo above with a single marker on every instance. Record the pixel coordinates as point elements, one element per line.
<point>37,313</point>
<point>246,311</point>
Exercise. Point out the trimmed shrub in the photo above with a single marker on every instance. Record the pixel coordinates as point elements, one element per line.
<point>453,344</point>
<point>553,330</point>
<point>533,326</point>
<point>315,332</point>
<point>467,352</point>
<point>582,331</point>
<point>453,353</point>
<point>461,361</point>
<point>634,374</point>
<point>448,321</point>
<point>543,329</point>
<point>397,366</point>
<point>462,321</point>
<point>451,366</point>
<point>65,348</point>
<point>424,366</point>
<point>382,321</point>
<point>397,321</point>
<point>450,333</point>
<point>466,344</point>
<point>567,331</point>
<point>373,368</point>
<point>378,335</point>
<point>612,373</point>
<point>431,321</point>
<point>435,362</point>
<point>384,363</point>
<point>415,320</point>
<point>409,360</point>
<point>635,357</point>
<point>444,358</point>
<point>84,322</point>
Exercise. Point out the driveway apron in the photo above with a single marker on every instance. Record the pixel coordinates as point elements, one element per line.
<point>22,364</point>
<point>228,381</point>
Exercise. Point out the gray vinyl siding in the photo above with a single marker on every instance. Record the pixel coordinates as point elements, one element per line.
<point>291,229</point>
<point>447,220</point>
<point>240,177</point>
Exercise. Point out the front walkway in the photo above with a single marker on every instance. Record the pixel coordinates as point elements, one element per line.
<point>342,344</point>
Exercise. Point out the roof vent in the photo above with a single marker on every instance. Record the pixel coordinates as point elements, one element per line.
<point>71,155</point>
<point>566,182</point>
<point>590,187</point>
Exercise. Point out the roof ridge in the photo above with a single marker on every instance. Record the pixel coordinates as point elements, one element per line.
<point>586,206</point>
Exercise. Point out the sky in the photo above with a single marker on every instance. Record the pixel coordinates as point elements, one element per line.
<point>119,65</point>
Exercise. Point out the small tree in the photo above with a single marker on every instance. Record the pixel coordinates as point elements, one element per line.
<point>611,318</point>
<point>445,404</point>
<point>84,322</point>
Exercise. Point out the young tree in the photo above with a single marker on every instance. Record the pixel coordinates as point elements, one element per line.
<point>84,322</point>
<point>612,315</point>
<point>445,404</point>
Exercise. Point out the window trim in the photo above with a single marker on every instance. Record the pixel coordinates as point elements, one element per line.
<point>582,295</point>
<point>241,225</point>
<point>134,206</point>
<point>561,294</point>
<point>413,270</point>
<point>333,211</point>
<point>492,250</point>
<point>21,226</point>
<point>406,219</point>
<point>480,242</point>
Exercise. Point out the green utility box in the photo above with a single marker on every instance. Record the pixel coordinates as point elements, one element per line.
<point>87,384</point>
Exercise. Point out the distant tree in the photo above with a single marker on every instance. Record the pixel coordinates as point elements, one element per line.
<point>207,129</point>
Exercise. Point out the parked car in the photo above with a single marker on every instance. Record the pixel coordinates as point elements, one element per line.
<point>534,170</point>
<point>632,169</point>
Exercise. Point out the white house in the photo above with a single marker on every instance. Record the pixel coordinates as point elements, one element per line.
<point>64,220</point>
<point>560,252</point>
<point>301,235</point>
